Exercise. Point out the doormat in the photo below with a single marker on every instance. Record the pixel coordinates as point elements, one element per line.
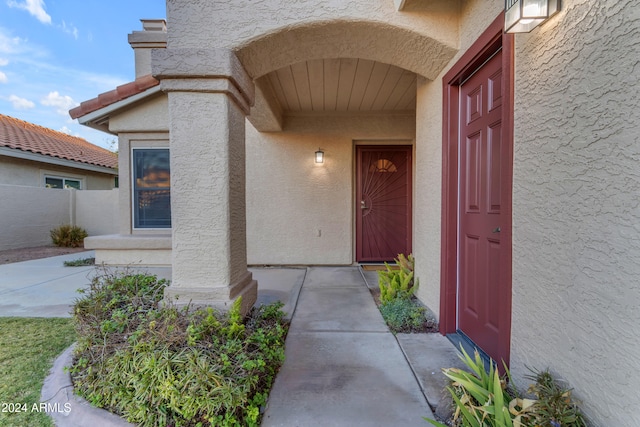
<point>377,267</point>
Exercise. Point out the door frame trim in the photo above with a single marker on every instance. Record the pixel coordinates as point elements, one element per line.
<point>405,145</point>
<point>492,39</point>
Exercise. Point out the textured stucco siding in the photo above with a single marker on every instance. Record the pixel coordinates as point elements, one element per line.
<point>97,211</point>
<point>269,34</point>
<point>428,192</point>
<point>576,212</point>
<point>153,115</point>
<point>28,214</point>
<point>20,172</point>
<point>26,172</point>
<point>238,21</point>
<point>290,198</point>
<point>207,189</point>
<point>474,19</point>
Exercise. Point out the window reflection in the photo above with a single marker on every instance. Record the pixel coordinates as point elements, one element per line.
<point>151,188</point>
<point>383,166</point>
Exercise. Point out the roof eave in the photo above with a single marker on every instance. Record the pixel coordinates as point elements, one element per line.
<point>43,158</point>
<point>99,119</point>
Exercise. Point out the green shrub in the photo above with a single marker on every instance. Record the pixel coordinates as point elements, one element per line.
<point>403,315</point>
<point>398,281</point>
<point>69,236</point>
<point>80,262</point>
<point>169,366</point>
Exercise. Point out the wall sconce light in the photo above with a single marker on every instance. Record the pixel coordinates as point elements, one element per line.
<point>319,156</point>
<point>522,16</point>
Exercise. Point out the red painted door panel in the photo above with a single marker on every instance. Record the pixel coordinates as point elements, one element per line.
<point>383,199</point>
<point>482,158</point>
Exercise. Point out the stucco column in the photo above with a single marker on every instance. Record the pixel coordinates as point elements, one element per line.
<point>209,96</point>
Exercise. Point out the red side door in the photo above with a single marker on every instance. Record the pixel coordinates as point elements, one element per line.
<point>383,202</point>
<point>482,313</point>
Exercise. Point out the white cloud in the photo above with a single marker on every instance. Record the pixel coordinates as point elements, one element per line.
<point>20,103</point>
<point>10,44</point>
<point>4,62</point>
<point>68,131</point>
<point>70,29</point>
<point>34,7</point>
<point>62,103</point>
<point>3,77</point>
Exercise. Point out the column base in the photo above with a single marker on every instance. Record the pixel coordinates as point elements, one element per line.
<point>220,298</point>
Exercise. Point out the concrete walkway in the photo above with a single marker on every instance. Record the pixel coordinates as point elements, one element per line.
<point>42,287</point>
<point>343,367</point>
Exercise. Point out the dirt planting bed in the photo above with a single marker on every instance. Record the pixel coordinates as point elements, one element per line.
<point>25,254</point>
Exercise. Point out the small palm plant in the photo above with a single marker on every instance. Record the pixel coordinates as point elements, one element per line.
<point>70,236</point>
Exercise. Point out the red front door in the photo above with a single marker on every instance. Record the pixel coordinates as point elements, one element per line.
<point>482,159</point>
<point>383,199</point>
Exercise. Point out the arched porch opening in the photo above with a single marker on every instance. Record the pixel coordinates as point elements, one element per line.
<point>338,86</point>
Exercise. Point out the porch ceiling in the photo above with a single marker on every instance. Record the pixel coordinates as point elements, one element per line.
<point>343,85</point>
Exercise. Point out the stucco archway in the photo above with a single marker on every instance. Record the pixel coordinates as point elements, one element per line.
<point>278,153</point>
<point>304,44</point>
<point>377,41</point>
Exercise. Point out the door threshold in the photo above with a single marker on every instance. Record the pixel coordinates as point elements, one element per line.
<point>372,266</point>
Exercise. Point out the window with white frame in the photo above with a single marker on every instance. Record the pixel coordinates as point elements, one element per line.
<point>62,182</point>
<point>151,188</point>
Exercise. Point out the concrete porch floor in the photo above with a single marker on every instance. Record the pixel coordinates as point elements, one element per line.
<point>343,367</point>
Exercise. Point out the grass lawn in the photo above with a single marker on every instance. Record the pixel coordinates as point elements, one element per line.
<point>28,347</point>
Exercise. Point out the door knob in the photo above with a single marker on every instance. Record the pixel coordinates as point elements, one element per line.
<point>363,205</point>
<point>496,230</point>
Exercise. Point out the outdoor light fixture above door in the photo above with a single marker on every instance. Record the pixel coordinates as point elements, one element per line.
<point>522,16</point>
<point>319,156</point>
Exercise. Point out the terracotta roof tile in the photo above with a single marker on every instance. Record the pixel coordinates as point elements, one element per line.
<point>118,94</point>
<point>21,135</point>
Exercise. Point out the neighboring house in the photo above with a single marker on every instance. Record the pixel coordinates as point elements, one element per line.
<point>511,162</point>
<point>35,156</point>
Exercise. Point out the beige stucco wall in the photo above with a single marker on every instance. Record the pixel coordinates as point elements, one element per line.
<point>152,115</point>
<point>427,216</point>
<point>576,238</point>
<point>97,211</point>
<point>15,171</point>
<point>269,34</point>
<point>28,214</point>
<point>290,199</point>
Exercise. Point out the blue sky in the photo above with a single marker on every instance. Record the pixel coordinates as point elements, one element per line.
<point>55,54</point>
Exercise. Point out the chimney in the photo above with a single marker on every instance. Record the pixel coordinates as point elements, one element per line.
<point>154,35</point>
